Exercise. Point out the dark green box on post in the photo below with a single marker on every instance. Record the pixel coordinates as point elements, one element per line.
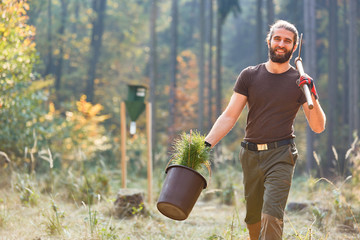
<point>135,103</point>
<point>136,93</point>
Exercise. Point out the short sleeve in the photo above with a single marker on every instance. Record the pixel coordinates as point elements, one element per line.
<point>241,84</point>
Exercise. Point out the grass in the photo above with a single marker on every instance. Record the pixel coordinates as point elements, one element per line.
<point>333,213</point>
<point>54,218</point>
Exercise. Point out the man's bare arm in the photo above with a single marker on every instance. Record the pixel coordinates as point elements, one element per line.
<point>315,117</point>
<point>227,119</point>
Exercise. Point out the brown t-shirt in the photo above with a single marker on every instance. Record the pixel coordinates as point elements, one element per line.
<point>273,101</point>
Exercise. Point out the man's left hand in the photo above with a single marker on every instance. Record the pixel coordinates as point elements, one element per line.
<point>310,82</point>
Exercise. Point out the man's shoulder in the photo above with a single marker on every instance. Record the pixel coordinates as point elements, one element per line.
<point>251,70</point>
<point>255,68</point>
<point>293,72</point>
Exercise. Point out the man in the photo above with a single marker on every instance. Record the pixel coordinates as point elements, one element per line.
<point>273,96</point>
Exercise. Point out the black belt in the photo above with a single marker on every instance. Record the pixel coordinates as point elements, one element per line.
<point>266,146</point>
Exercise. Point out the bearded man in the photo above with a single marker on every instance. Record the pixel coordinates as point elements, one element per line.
<point>272,93</point>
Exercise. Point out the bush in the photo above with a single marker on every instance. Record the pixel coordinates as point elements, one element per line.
<point>20,99</point>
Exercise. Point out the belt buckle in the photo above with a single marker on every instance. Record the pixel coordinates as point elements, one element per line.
<point>262,147</point>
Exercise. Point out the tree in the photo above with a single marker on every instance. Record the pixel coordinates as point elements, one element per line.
<point>353,70</point>
<point>332,87</point>
<point>345,74</point>
<point>173,70</point>
<point>99,7</point>
<point>49,64</point>
<point>259,31</point>
<point>60,58</point>
<point>210,62</point>
<point>201,66</point>
<point>270,12</point>
<point>224,8</point>
<point>310,66</point>
<point>153,68</point>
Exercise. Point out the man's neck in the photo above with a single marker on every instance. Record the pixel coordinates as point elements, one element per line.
<point>277,68</point>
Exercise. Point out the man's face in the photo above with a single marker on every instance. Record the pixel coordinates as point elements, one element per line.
<point>281,45</point>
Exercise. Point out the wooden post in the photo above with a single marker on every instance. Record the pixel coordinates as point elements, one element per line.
<point>123,144</point>
<point>149,137</point>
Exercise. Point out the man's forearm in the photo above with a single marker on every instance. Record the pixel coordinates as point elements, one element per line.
<point>316,117</point>
<point>227,119</point>
<point>222,126</point>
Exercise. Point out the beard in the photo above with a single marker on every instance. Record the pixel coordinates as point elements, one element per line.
<point>279,58</point>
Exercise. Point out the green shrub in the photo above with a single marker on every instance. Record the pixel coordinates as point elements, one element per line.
<point>21,101</point>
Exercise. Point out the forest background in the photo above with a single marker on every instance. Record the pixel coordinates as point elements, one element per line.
<point>66,66</point>
<point>88,52</point>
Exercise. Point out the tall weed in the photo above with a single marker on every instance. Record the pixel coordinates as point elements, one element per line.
<point>4,216</point>
<point>54,220</point>
<point>335,207</point>
<point>26,186</point>
<point>98,228</point>
<point>88,186</point>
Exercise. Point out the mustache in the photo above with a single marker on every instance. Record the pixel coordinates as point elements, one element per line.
<point>281,48</point>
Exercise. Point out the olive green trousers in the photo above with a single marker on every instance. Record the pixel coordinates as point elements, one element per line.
<point>267,179</point>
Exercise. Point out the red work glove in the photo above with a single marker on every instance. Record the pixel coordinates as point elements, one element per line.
<point>310,82</point>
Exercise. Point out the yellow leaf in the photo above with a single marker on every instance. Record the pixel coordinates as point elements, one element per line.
<point>26,6</point>
<point>51,108</point>
<point>27,42</point>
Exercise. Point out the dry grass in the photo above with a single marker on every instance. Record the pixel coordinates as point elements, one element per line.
<point>24,222</point>
<point>210,219</point>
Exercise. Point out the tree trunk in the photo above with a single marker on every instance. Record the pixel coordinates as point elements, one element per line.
<point>332,87</point>
<point>343,106</point>
<point>49,64</point>
<point>76,9</point>
<point>201,67</point>
<point>218,65</point>
<point>223,10</point>
<point>345,74</point>
<point>99,7</point>
<point>58,72</point>
<point>153,71</point>
<point>270,12</point>
<point>173,71</point>
<point>353,71</point>
<point>310,66</point>
<point>259,30</point>
<point>210,60</point>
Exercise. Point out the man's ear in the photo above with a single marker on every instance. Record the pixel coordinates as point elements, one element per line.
<point>295,47</point>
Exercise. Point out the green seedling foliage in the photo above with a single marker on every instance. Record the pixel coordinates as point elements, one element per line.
<point>190,151</point>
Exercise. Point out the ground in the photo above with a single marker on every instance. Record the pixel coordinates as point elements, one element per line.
<point>28,212</point>
<point>210,219</point>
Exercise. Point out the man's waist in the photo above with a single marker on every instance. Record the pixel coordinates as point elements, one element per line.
<point>266,146</point>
